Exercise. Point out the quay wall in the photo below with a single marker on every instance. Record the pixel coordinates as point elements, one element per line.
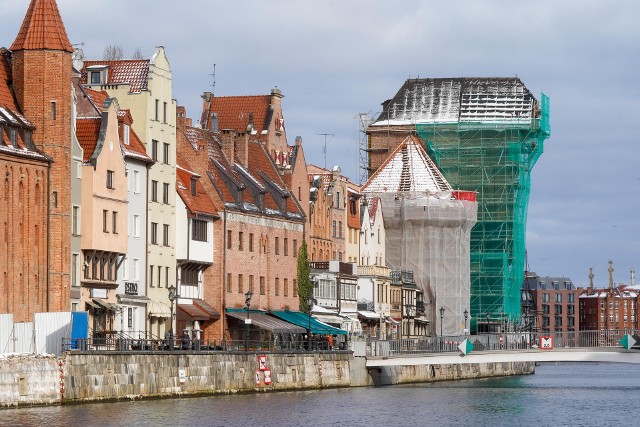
<point>75,377</point>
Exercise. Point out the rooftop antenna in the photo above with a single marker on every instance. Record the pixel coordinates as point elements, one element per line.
<point>213,83</point>
<point>324,150</point>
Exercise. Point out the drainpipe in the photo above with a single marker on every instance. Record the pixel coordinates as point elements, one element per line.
<point>224,271</point>
<point>48,234</point>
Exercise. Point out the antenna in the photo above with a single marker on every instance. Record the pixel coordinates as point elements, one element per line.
<point>213,83</point>
<point>324,150</point>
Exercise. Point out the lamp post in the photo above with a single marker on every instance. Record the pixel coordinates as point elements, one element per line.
<point>466,316</point>
<point>173,296</point>
<point>247,321</point>
<point>310,302</point>
<point>488,329</point>
<point>441,319</point>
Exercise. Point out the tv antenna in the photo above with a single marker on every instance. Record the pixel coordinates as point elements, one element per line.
<point>213,83</point>
<point>324,149</point>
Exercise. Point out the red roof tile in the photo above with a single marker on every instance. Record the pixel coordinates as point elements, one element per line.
<point>42,28</point>
<point>233,111</point>
<point>135,148</point>
<point>200,203</point>
<point>132,71</point>
<point>87,132</point>
<point>6,98</point>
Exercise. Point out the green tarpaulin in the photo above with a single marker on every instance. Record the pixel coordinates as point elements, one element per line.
<point>302,320</point>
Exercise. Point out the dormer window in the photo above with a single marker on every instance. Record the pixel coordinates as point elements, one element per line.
<point>96,74</point>
<point>13,136</point>
<point>125,134</point>
<point>95,77</point>
<point>193,186</point>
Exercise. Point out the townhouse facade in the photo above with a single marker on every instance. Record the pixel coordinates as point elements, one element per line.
<point>554,305</point>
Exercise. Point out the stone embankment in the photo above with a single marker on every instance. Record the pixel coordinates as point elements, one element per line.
<point>27,380</point>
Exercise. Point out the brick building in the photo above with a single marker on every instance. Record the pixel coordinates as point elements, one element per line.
<point>36,117</point>
<point>554,306</point>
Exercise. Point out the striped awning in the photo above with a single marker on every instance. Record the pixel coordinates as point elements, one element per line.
<point>269,323</point>
<point>158,309</point>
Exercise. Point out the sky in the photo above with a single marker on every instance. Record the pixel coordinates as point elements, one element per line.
<point>335,59</point>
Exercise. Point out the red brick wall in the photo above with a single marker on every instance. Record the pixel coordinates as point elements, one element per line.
<point>384,141</point>
<point>23,247</point>
<point>40,78</point>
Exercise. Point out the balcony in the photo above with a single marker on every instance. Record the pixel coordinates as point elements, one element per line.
<point>401,276</point>
<point>373,270</point>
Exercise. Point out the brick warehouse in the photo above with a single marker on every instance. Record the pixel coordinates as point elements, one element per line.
<point>38,78</point>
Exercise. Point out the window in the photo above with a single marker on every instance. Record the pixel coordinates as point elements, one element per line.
<point>136,225</point>
<point>159,276</point>
<point>558,320</point>
<point>136,182</point>
<point>240,240</point>
<point>558,309</point>
<point>277,286</point>
<point>75,220</point>
<point>250,242</point>
<point>334,229</point>
<point>79,170</point>
<point>286,287</point>
<point>134,268</point>
<point>570,297</point>
<point>194,185</point>
<point>295,288</point>
<point>340,229</point>
<point>165,153</point>
<point>262,286</point>
<point>114,222</point>
<point>164,112</point>
<point>199,231</point>
<point>53,110</point>
<point>157,110</point>
<point>74,269</point>
<point>229,284</point>
<point>229,239</point>
<point>154,150</point>
<point>165,234</point>
<point>286,246</point>
<point>151,275</point>
<point>251,283</point>
<point>558,297</point>
<point>154,233</point>
<point>338,199</point>
<point>105,220</point>
<point>165,193</point>
<point>95,77</point>
<point>166,277</point>
<point>154,191</point>
<point>295,247</point>
<point>110,179</point>
<point>545,308</point>
<point>125,134</point>
<point>240,284</point>
<point>277,245</point>
<point>545,297</point>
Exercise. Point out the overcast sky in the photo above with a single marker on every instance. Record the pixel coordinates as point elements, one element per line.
<point>335,59</point>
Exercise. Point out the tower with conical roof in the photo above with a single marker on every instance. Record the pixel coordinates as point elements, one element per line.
<point>41,66</point>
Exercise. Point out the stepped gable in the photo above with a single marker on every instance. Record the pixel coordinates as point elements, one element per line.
<point>42,28</point>
<point>234,112</point>
<point>407,169</point>
<point>134,72</point>
<point>198,203</point>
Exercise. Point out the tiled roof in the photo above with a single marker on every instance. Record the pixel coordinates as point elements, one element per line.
<point>87,132</point>
<point>42,28</point>
<point>136,148</point>
<point>200,203</point>
<point>408,168</point>
<point>132,71</point>
<point>234,112</point>
<point>6,98</point>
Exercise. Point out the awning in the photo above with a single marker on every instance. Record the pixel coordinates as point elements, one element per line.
<point>213,313</point>
<point>369,315</point>
<point>133,299</point>
<point>419,320</point>
<point>92,304</point>
<point>195,312</point>
<point>158,309</point>
<point>107,305</point>
<point>392,320</point>
<point>302,320</point>
<point>269,323</point>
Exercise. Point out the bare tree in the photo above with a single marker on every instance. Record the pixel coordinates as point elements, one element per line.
<point>112,52</point>
<point>137,54</point>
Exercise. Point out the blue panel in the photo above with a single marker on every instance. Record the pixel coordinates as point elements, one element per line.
<point>79,327</point>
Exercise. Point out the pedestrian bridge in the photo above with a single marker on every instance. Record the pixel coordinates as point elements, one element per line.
<point>583,354</point>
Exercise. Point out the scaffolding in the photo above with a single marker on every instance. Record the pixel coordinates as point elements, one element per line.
<point>494,158</point>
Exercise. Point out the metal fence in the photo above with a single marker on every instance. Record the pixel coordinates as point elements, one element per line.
<point>499,342</point>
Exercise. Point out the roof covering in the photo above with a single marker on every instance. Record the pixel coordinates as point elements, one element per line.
<point>42,28</point>
<point>125,71</point>
<point>200,203</point>
<point>451,100</point>
<point>303,320</point>
<point>408,168</point>
<point>87,132</point>
<point>235,112</point>
<point>269,323</point>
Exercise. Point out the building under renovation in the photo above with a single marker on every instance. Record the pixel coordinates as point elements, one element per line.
<point>427,227</point>
<point>485,135</point>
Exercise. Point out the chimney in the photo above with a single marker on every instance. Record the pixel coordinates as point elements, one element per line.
<point>206,106</point>
<point>228,136</point>
<point>241,148</point>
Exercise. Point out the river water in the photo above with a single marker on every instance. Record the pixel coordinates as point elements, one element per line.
<point>568,394</point>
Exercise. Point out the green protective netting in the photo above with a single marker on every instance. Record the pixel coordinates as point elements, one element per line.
<point>495,160</point>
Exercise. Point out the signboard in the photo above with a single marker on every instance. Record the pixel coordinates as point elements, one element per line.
<point>628,341</point>
<point>182,376</point>
<point>257,377</point>
<point>546,343</point>
<point>267,377</point>
<point>466,346</point>
<point>262,363</point>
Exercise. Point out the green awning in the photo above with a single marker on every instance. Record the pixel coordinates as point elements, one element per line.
<point>302,320</point>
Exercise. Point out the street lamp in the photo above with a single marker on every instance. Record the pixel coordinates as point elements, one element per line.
<point>173,296</point>
<point>310,302</point>
<point>466,316</point>
<point>441,319</point>
<point>247,321</point>
<point>488,329</point>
